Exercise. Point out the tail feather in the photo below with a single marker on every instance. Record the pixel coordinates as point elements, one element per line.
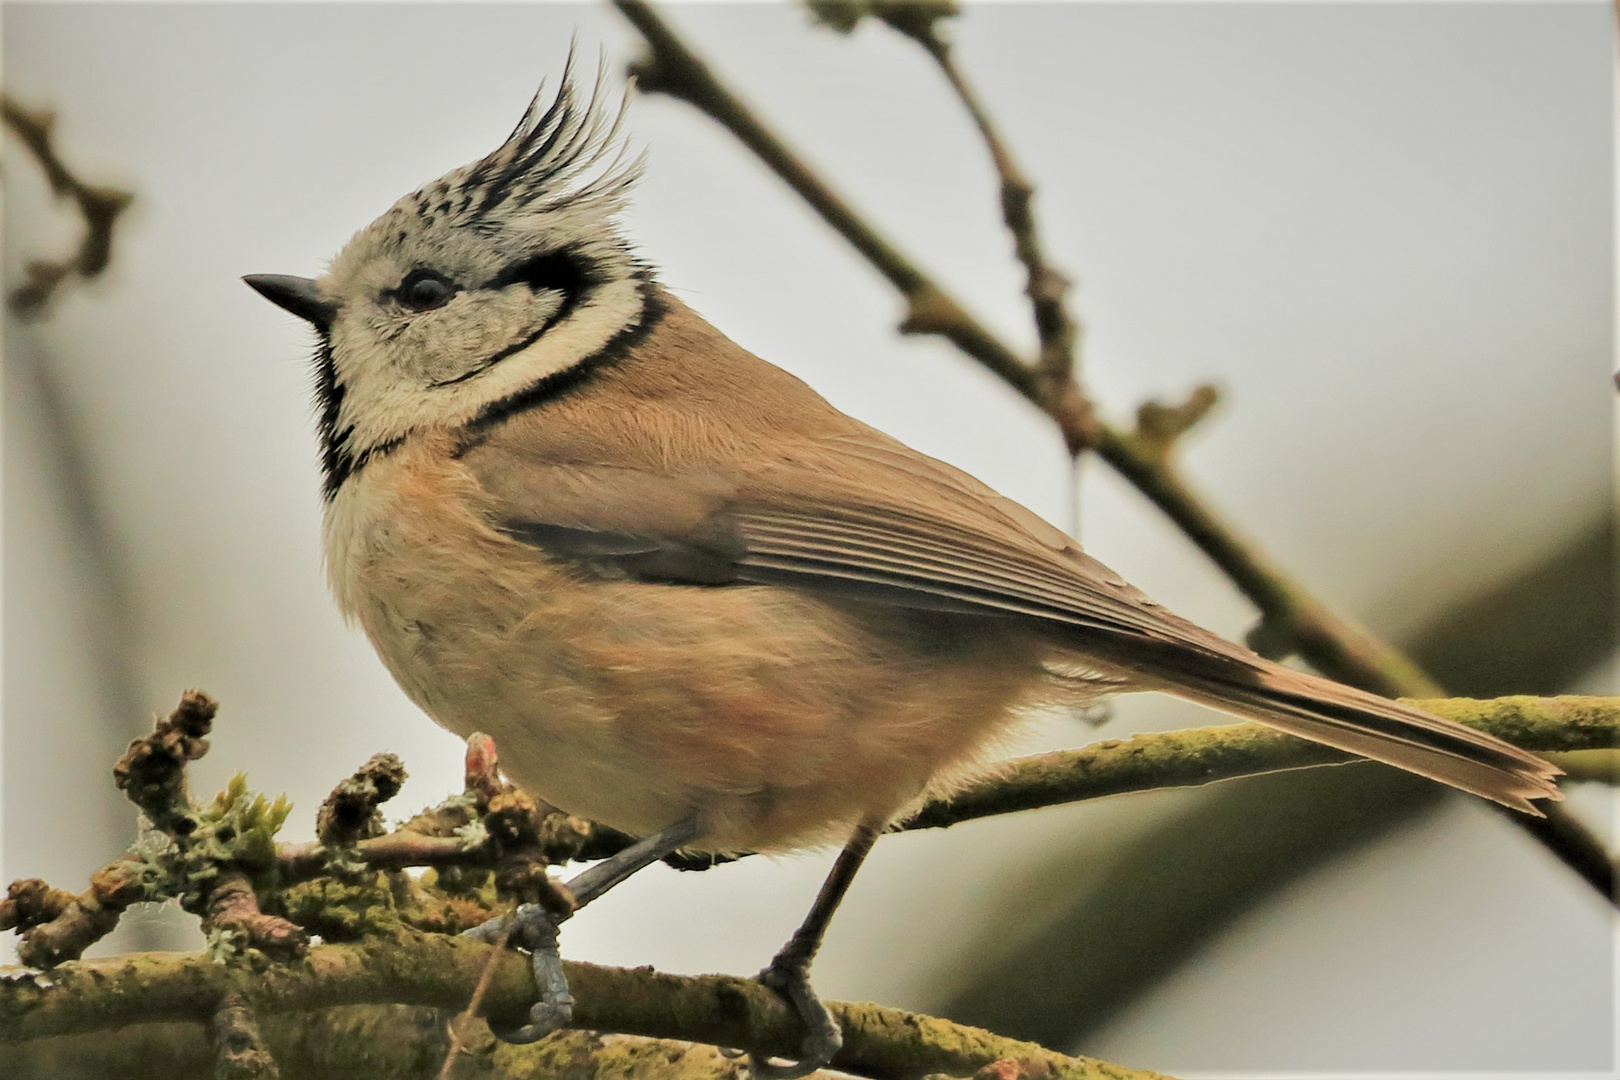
<point>1389,731</point>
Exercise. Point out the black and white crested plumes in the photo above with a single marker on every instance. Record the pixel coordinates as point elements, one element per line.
<point>556,157</point>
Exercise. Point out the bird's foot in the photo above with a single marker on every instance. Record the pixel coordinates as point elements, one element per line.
<point>822,1036</point>
<point>535,930</point>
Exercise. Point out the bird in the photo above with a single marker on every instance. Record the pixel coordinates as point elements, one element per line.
<point>688,597</point>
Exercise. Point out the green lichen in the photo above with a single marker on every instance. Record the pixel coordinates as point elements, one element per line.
<point>339,909</point>
<point>240,827</point>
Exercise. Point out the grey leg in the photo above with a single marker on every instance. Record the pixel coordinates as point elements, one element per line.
<point>536,928</point>
<point>587,885</point>
<point>789,972</point>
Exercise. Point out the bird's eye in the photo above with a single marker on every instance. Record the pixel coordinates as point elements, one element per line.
<point>424,290</point>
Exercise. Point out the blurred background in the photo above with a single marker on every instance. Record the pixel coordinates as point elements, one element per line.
<point>1385,230</point>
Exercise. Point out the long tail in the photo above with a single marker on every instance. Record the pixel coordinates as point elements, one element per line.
<point>1361,723</point>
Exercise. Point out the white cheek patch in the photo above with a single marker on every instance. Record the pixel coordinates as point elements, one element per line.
<point>460,343</point>
<point>398,408</point>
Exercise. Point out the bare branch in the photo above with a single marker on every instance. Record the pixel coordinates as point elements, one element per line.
<point>99,206</point>
<point>670,68</point>
<point>1145,762</point>
<point>1057,328</point>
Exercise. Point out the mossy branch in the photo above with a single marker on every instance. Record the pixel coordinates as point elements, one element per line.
<point>441,972</point>
<point>1197,756</point>
<point>492,844</point>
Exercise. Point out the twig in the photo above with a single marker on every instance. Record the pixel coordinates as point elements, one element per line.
<point>240,1048</point>
<point>350,813</point>
<point>1057,328</point>
<point>99,206</point>
<point>439,971</point>
<point>457,1024</point>
<point>233,908</point>
<point>1145,762</point>
<point>57,925</point>
<point>671,68</point>
<point>152,772</point>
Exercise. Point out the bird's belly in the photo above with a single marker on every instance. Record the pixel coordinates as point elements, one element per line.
<point>779,717</point>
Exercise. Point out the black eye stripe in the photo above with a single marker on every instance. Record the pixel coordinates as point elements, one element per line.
<point>564,271</point>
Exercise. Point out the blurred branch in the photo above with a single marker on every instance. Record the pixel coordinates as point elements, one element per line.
<point>98,206</point>
<point>1589,766</point>
<point>1121,920</point>
<point>442,971</point>
<point>1539,630</point>
<point>60,443</point>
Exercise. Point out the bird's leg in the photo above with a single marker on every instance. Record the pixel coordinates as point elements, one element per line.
<point>535,928</point>
<point>789,972</point>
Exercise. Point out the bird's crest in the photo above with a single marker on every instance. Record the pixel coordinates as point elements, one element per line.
<point>568,152</point>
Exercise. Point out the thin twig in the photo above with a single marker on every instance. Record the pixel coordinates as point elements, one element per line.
<point>455,1025</point>
<point>1057,328</point>
<point>99,207</point>
<point>1146,762</point>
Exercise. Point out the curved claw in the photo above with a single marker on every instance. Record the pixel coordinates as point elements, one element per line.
<point>536,931</point>
<point>822,1036</point>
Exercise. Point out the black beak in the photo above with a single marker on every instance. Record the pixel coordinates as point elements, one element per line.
<point>297,295</point>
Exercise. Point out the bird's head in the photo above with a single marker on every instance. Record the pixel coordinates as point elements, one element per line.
<point>474,289</point>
